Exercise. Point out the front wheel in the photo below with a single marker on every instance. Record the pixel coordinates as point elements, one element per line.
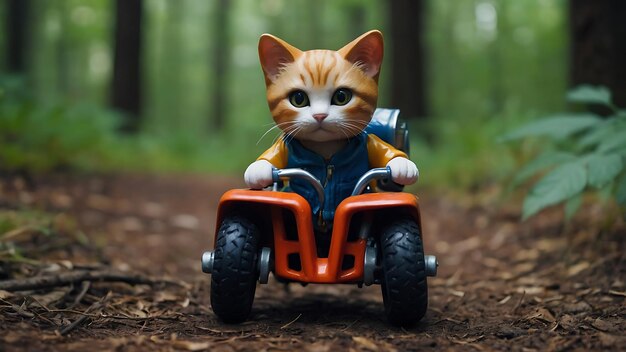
<point>404,287</point>
<point>234,274</point>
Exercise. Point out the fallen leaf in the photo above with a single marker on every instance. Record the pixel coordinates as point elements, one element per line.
<point>531,290</point>
<point>617,293</point>
<point>492,263</point>
<point>164,296</point>
<point>185,221</point>
<point>456,293</point>
<point>191,345</point>
<point>152,210</point>
<point>468,244</point>
<point>61,200</point>
<point>318,347</point>
<point>131,224</point>
<point>365,343</point>
<point>577,268</point>
<point>542,314</point>
<point>11,337</point>
<point>504,300</point>
<point>527,254</point>
<point>568,322</point>
<point>602,325</point>
<point>51,297</point>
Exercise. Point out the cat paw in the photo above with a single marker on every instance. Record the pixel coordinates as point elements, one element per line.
<point>259,174</point>
<point>403,171</point>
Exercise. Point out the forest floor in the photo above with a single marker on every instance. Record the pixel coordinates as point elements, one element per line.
<point>131,246</point>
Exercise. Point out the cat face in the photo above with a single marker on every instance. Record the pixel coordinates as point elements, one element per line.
<point>322,95</point>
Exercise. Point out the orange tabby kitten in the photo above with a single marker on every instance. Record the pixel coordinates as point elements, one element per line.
<point>323,100</point>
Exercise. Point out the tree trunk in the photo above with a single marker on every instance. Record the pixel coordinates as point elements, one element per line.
<point>221,50</point>
<point>126,85</point>
<point>407,58</point>
<point>598,45</point>
<point>16,34</point>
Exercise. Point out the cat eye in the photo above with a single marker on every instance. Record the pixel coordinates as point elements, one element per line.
<point>342,96</point>
<point>298,99</point>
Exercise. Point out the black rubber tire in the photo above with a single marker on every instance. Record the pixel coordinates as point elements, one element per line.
<point>234,276</point>
<point>404,287</point>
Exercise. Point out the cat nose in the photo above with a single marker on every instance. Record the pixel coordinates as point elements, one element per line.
<point>320,117</point>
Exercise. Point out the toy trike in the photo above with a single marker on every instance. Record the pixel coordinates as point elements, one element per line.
<point>375,238</point>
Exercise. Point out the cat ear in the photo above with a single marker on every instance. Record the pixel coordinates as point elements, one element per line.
<point>366,51</point>
<point>274,54</point>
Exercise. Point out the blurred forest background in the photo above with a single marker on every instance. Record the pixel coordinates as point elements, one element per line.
<point>175,86</point>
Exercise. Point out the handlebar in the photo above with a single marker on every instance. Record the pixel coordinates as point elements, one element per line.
<point>286,174</point>
<point>373,174</point>
<point>380,173</point>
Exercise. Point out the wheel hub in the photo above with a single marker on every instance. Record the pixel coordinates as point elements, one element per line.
<point>431,265</point>
<point>208,258</point>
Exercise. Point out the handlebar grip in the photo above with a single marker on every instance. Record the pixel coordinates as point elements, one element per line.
<point>388,172</point>
<point>275,174</point>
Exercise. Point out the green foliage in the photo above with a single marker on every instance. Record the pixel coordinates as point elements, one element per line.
<point>587,94</point>
<point>476,89</point>
<point>463,156</point>
<point>555,127</point>
<point>590,153</point>
<point>38,137</point>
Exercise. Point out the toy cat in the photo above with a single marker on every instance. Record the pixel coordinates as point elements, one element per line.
<point>322,100</point>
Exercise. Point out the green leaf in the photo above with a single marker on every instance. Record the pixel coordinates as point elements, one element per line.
<point>558,185</point>
<point>603,168</point>
<point>588,94</point>
<point>614,142</point>
<point>556,127</point>
<point>544,160</point>
<point>572,205</point>
<point>602,131</point>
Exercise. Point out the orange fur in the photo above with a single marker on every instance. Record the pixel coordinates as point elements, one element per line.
<point>319,74</point>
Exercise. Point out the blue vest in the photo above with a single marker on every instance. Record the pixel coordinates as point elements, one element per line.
<point>338,175</point>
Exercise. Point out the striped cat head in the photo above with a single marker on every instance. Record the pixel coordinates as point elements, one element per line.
<point>322,95</point>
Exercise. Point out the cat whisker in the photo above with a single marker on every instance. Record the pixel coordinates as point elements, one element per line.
<point>292,130</point>
<point>350,127</point>
<point>343,127</point>
<point>271,129</point>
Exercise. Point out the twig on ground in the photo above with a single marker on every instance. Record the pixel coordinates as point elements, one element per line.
<point>84,287</point>
<point>91,310</point>
<point>519,303</point>
<point>291,322</point>
<point>45,281</point>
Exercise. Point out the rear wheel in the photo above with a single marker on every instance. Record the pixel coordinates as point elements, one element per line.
<point>234,276</point>
<point>404,288</point>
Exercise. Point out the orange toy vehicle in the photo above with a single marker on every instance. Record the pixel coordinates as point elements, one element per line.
<point>375,239</point>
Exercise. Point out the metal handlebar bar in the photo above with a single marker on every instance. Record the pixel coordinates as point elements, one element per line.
<point>286,174</point>
<point>374,174</point>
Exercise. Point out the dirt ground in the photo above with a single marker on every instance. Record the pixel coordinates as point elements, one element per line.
<point>539,285</point>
